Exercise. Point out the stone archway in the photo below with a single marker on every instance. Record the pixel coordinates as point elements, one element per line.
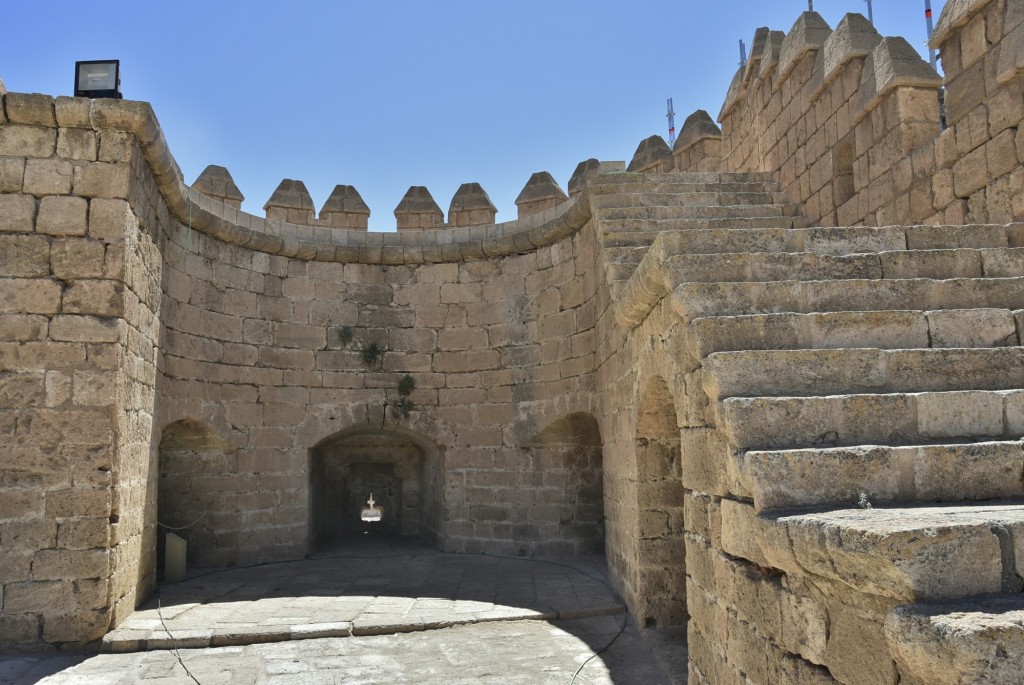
<point>196,491</point>
<point>561,511</point>
<point>661,542</point>
<point>400,469</point>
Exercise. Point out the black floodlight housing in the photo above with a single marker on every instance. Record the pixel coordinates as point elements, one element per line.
<point>98,79</point>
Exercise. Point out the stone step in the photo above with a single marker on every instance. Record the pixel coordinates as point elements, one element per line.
<point>628,239</point>
<point>684,177</point>
<point>624,255</point>
<point>780,373</point>
<point>880,474</point>
<point>967,641</point>
<point>908,553</point>
<point>809,266</point>
<point>904,418</point>
<point>683,212</point>
<point>676,199</point>
<point>598,189</point>
<point>779,239</point>
<point>893,329</point>
<point>830,240</point>
<point>695,300</point>
<point>661,225</point>
<point>619,272</point>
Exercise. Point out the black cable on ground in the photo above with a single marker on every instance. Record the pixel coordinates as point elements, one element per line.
<point>625,611</point>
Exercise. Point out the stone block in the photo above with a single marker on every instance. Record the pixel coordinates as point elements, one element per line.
<point>857,652</point>
<point>102,179</point>
<point>109,219</point>
<point>971,328</point>
<point>22,327</point>
<point>78,144</point>
<point>17,213</point>
<point>959,414</point>
<point>47,176</point>
<point>62,216</point>
<point>29,296</point>
<point>12,174</point>
<point>39,597</point>
<point>88,329</point>
<point>27,141</point>
<point>30,108</point>
<point>1014,408</point>
<point>72,112</point>
<point>962,642</point>
<point>74,258</point>
<point>98,298</point>
<point>59,564</point>
<point>970,172</point>
<point>1001,153</point>
<point>24,256</point>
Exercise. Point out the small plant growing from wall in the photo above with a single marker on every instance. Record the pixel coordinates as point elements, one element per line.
<point>404,404</point>
<point>372,357</point>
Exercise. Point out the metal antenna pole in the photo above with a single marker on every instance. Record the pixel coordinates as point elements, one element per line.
<point>743,54</point>
<point>671,124</point>
<point>931,27</point>
<point>871,14</point>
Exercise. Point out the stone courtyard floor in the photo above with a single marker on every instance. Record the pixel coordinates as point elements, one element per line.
<point>377,613</point>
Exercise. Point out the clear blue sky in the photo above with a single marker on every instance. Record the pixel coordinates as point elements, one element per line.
<point>384,94</point>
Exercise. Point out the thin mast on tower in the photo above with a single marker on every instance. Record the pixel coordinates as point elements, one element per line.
<point>931,27</point>
<point>671,124</point>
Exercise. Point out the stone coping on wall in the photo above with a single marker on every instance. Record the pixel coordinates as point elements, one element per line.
<point>313,243</point>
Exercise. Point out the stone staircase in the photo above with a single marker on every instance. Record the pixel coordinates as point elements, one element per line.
<point>875,366</point>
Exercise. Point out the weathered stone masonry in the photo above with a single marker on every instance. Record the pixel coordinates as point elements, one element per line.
<point>802,442</point>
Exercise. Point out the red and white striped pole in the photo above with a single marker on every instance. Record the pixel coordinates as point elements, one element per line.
<point>931,26</point>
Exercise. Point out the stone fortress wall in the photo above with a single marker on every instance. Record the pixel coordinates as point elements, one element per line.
<point>660,364</point>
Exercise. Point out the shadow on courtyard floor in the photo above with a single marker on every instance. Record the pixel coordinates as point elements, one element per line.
<point>369,587</point>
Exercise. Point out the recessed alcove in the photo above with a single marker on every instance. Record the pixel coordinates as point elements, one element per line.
<point>398,469</point>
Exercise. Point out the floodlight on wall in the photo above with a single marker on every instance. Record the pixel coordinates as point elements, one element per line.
<point>98,79</point>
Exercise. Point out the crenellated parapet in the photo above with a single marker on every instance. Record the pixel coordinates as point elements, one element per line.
<point>471,206</point>
<point>849,121</point>
<point>345,209</point>
<point>292,203</point>
<point>216,182</point>
<point>699,145</point>
<point>653,155</point>
<point>541,193</point>
<point>418,211</point>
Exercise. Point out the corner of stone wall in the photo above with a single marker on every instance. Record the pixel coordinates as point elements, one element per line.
<point>849,121</point>
<point>80,292</point>
<point>980,157</point>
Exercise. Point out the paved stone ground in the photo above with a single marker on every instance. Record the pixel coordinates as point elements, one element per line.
<point>376,614</point>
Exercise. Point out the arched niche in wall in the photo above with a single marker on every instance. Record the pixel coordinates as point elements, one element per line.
<point>399,468</point>
<point>559,506</point>
<point>197,493</point>
<point>661,543</point>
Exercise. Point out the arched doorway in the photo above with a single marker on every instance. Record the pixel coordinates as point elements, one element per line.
<point>563,512</point>
<point>195,485</point>
<point>401,471</point>
<point>661,542</point>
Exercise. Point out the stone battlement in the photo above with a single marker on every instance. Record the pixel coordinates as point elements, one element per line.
<point>802,442</point>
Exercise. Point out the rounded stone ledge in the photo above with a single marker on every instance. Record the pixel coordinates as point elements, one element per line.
<point>315,243</point>
<point>230,225</point>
